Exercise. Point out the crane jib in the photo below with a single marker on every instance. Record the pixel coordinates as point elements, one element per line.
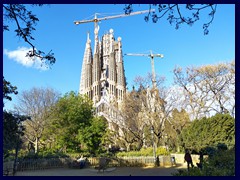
<point>112,17</point>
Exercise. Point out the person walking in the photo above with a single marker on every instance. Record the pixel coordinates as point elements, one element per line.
<point>188,158</point>
<point>200,164</point>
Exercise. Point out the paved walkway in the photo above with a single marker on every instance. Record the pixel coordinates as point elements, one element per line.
<point>114,171</point>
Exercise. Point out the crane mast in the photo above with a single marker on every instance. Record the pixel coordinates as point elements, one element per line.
<point>151,55</point>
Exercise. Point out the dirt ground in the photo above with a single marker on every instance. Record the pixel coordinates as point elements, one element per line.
<point>114,171</point>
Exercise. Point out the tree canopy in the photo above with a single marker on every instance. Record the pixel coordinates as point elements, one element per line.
<point>206,89</point>
<point>92,137</point>
<point>8,89</point>
<point>209,132</point>
<point>73,126</point>
<point>36,103</point>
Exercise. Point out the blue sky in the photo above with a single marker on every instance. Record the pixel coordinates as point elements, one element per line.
<point>56,31</point>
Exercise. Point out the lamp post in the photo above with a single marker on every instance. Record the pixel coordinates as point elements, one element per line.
<point>154,150</point>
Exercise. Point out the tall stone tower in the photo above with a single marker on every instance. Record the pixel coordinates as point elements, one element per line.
<point>102,73</point>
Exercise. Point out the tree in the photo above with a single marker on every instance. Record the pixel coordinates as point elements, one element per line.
<point>71,113</point>
<point>210,132</point>
<point>207,89</point>
<point>174,125</point>
<point>25,21</point>
<point>12,131</point>
<point>12,126</point>
<point>11,123</point>
<point>143,109</point>
<point>36,103</point>
<point>132,131</point>
<point>92,137</point>
<point>176,15</point>
<point>8,89</point>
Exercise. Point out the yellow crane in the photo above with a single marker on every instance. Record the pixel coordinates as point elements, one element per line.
<point>151,55</point>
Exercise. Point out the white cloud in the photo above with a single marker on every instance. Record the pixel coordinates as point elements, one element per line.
<point>19,56</point>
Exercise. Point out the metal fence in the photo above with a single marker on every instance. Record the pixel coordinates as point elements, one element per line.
<point>136,161</point>
<point>44,163</point>
<point>8,168</point>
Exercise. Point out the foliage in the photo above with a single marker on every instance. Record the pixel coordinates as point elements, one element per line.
<point>133,127</point>
<point>25,21</point>
<point>8,89</point>
<point>142,109</point>
<point>12,132</point>
<point>206,89</point>
<point>92,136</point>
<point>12,124</point>
<point>36,103</point>
<point>221,164</point>
<point>209,132</point>
<point>144,152</point>
<point>71,113</point>
<point>42,154</point>
<point>173,128</point>
<point>178,14</point>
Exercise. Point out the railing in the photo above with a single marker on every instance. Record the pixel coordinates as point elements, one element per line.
<point>135,161</point>
<point>8,168</point>
<point>44,163</point>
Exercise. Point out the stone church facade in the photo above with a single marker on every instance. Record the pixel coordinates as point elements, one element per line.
<point>102,74</point>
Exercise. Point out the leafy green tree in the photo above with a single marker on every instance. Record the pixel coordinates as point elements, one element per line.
<point>209,132</point>
<point>71,113</point>
<point>13,129</point>
<point>12,132</point>
<point>8,89</point>
<point>92,136</point>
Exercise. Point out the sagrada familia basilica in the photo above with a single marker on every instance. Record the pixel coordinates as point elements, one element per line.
<point>102,75</point>
<point>103,78</point>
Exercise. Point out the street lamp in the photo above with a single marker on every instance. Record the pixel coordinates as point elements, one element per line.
<point>154,150</point>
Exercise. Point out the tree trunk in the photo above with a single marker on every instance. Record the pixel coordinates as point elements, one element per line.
<point>36,145</point>
<point>128,147</point>
<point>15,158</point>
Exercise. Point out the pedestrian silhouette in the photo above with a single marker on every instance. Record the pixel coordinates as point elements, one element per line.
<point>188,158</point>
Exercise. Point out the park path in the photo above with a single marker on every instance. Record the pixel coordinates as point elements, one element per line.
<point>118,171</point>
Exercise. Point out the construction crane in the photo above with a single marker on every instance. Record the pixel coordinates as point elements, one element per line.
<point>151,55</point>
<point>96,20</point>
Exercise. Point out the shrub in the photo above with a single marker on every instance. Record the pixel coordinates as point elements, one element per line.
<point>222,163</point>
<point>42,154</point>
<point>144,152</point>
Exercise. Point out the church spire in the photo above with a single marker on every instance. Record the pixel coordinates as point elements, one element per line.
<point>86,75</point>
